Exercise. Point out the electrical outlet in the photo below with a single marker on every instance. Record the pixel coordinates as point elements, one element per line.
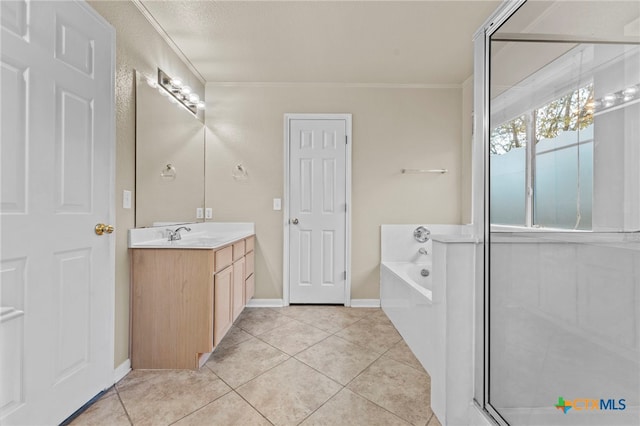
<point>126,199</point>
<point>277,204</point>
<point>199,213</point>
<point>208,213</point>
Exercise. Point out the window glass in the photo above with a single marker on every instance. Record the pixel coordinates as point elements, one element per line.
<point>508,164</point>
<point>564,161</point>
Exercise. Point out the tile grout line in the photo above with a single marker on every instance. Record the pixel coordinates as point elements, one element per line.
<point>124,407</point>
<point>251,405</point>
<point>432,414</point>
<point>205,405</point>
<point>323,404</point>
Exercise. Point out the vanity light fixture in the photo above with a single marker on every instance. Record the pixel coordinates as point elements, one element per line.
<point>615,100</point>
<point>179,91</point>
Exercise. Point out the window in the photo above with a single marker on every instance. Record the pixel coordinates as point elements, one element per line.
<point>542,165</point>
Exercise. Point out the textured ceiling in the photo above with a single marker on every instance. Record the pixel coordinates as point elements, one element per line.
<point>351,42</point>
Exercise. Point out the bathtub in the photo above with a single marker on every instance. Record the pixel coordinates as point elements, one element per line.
<point>411,273</point>
<point>434,314</point>
<point>406,297</point>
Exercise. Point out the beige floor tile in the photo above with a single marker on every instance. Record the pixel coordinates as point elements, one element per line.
<point>229,410</point>
<point>257,321</point>
<point>401,352</point>
<point>348,408</point>
<point>240,363</point>
<point>293,337</point>
<point>289,393</point>
<point>434,421</point>
<point>108,410</point>
<point>379,316</point>
<point>338,359</point>
<point>328,318</point>
<point>374,335</point>
<point>234,336</point>
<point>396,387</point>
<point>160,397</point>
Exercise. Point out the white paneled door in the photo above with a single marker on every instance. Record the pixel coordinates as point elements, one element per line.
<point>56,153</point>
<point>317,210</point>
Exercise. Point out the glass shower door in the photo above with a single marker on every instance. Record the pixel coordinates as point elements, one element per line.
<point>563,328</point>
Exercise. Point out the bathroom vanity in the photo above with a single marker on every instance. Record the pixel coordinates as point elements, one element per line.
<point>186,293</point>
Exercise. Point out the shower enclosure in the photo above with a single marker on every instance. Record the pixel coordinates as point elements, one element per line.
<point>560,124</point>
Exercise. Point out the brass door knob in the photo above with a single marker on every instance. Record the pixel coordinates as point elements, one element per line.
<point>101,228</point>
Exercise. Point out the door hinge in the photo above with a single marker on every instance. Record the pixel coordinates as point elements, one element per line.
<point>345,275</point>
<point>346,139</point>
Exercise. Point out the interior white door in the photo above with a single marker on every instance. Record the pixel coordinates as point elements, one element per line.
<point>317,209</point>
<point>57,158</point>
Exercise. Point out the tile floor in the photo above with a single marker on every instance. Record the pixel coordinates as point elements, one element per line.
<point>306,365</point>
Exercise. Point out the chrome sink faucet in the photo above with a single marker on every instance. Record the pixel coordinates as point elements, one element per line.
<point>175,234</point>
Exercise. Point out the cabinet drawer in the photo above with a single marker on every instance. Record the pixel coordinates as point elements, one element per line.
<point>249,265</point>
<point>238,250</point>
<point>249,288</point>
<point>250,244</point>
<point>223,258</point>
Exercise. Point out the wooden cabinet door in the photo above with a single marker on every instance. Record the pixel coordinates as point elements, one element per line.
<point>238,287</point>
<point>222,307</point>
<point>250,288</point>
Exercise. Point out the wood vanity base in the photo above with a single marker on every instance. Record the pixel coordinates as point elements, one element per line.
<point>183,302</point>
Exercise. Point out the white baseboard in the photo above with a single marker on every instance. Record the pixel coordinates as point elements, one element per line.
<point>265,303</point>
<point>365,303</point>
<point>121,371</point>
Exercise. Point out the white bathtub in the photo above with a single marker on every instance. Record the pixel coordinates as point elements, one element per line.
<point>411,273</point>
<point>434,315</point>
<point>406,298</point>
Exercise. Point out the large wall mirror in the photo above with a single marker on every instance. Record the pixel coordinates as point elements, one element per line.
<point>169,158</point>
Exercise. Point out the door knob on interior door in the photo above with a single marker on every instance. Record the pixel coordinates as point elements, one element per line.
<point>295,221</point>
<point>101,228</point>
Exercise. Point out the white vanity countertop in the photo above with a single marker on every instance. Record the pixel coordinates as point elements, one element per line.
<point>207,236</point>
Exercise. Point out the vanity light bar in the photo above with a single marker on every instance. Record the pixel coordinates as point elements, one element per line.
<point>611,101</point>
<point>180,92</point>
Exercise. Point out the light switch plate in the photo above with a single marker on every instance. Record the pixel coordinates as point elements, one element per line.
<point>277,204</point>
<point>208,213</point>
<point>199,213</point>
<point>126,199</point>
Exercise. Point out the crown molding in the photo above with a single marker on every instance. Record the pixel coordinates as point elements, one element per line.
<point>156,25</point>
<point>281,84</point>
